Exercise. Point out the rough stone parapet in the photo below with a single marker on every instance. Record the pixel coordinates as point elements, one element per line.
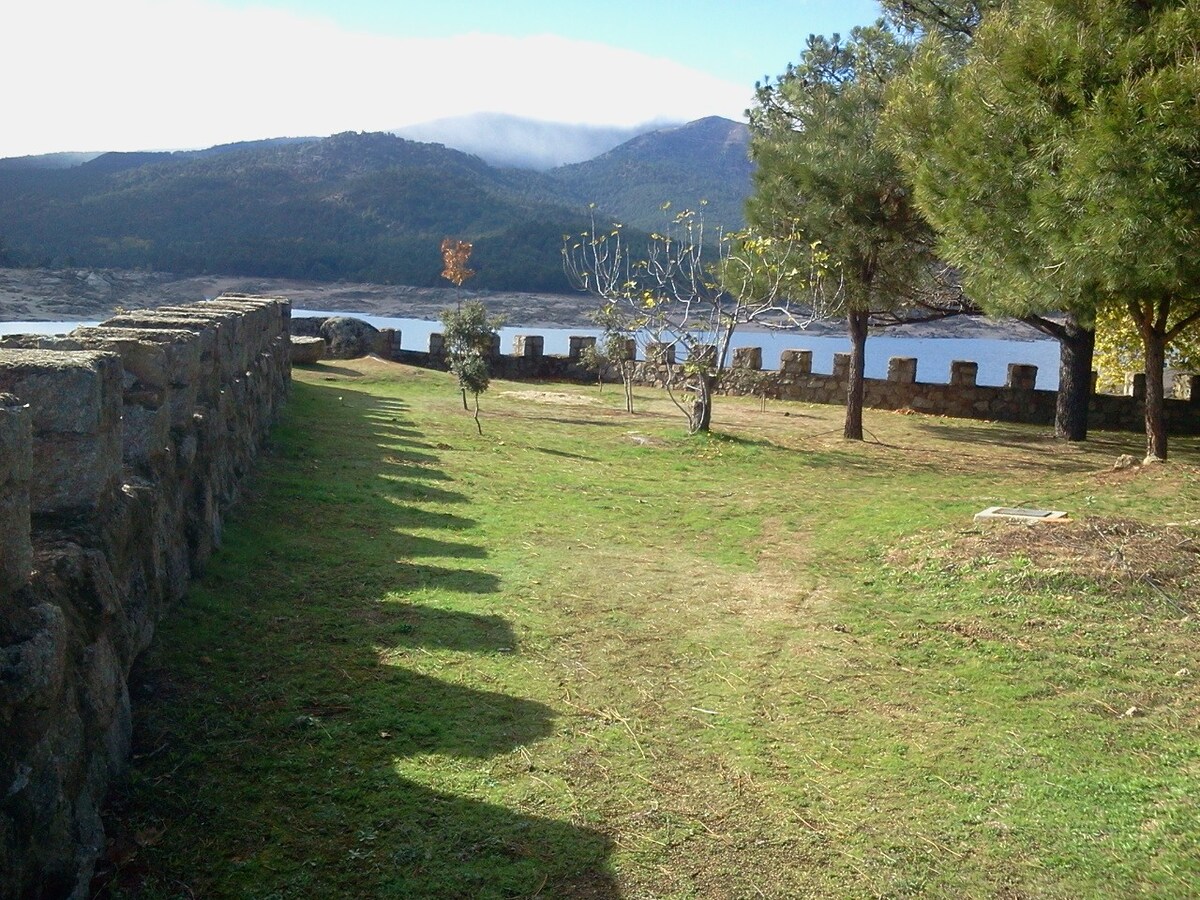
<point>121,448</point>
<point>794,380</point>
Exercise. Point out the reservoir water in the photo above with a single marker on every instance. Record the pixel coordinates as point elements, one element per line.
<point>933,355</point>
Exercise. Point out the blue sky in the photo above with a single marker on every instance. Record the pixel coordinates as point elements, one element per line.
<point>164,74</point>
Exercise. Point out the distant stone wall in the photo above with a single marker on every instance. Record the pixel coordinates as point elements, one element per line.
<point>121,448</point>
<point>1018,400</point>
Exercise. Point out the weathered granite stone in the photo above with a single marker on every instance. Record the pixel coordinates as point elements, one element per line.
<point>963,373</point>
<point>902,369</point>
<point>747,358</point>
<point>111,546</point>
<point>16,468</point>
<point>349,338</point>
<point>576,344</point>
<point>660,353</point>
<point>307,350</point>
<point>529,346</point>
<point>1022,377</point>
<point>75,399</point>
<point>796,362</point>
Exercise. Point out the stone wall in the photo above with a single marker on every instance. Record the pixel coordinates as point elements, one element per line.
<point>1018,400</point>
<point>121,448</point>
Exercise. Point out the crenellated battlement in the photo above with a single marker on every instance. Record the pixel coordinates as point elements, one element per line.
<point>960,396</point>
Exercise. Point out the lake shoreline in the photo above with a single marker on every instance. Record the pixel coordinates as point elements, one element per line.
<point>52,295</point>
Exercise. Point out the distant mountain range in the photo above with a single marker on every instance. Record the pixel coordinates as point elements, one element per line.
<point>515,142</point>
<point>366,207</point>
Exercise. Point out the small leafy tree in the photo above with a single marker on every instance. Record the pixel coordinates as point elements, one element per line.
<point>1119,348</point>
<point>693,290</point>
<point>470,333</point>
<point>455,255</point>
<point>612,350</point>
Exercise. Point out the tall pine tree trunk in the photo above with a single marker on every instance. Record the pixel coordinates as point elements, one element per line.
<point>1076,346</point>
<point>1154,346</point>
<point>857,322</point>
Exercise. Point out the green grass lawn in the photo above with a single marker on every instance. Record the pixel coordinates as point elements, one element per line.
<point>585,655</point>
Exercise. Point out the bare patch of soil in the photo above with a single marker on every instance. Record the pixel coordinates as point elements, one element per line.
<point>556,398</point>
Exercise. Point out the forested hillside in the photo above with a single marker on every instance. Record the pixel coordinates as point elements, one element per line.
<point>367,207</point>
<point>706,160</point>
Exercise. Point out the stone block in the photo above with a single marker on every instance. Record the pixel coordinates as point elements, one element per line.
<point>437,344</point>
<point>576,344</point>
<point>841,366</point>
<point>748,358</point>
<point>388,342</point>
<point>1135,385</point>
<point>75,403</point>
<point>16,437</point>
<point>796,362</point>
<point>74,473</point>
<point>181,349</point>
<point>145,434</point>
<point>306,350</point>
<point>181,363</point>
<point>37,342</point>
<point>964,373</point>
<point>67,392</point>
<point>528,346</point>
<point>660,353</point>
<point>1021,377</point>
<point>902,369</point>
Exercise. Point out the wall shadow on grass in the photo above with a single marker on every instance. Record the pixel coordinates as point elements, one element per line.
<point>412,625</point>
<point>408,577</point>
<point>305,730</point>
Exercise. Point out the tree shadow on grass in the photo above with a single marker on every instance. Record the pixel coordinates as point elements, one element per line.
<point>1040,444</point>
<point>302,740</point>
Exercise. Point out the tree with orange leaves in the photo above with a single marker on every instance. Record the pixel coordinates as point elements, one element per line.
<point>455,254</point>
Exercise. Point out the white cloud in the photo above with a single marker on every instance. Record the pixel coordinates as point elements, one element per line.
<point>143,74</point>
